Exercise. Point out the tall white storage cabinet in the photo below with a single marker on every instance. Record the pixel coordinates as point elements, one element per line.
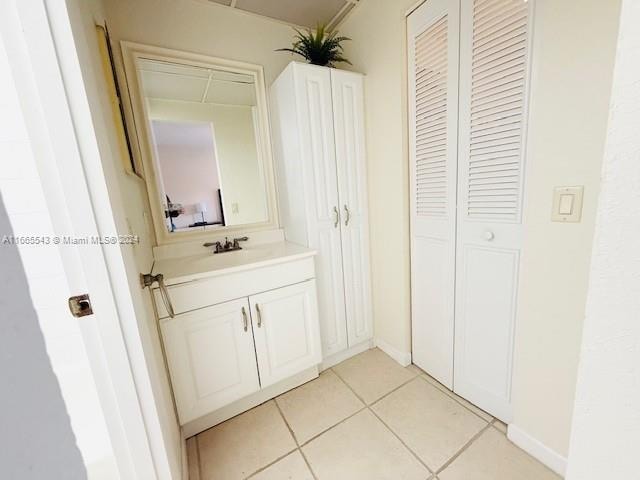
<point>318,129</point>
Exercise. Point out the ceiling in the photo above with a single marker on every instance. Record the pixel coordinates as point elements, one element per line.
<point>170,81</point>
<point>304,13</point>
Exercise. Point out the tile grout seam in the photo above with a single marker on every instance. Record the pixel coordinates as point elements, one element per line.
<point>368,407</point>
<point>295,439</point>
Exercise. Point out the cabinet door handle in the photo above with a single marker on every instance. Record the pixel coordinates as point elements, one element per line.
<point>244,319</point>
<point>346,210</point>
<point>337,220</point>
<point>259,315</point>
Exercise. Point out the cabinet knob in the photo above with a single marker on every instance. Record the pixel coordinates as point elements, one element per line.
<point>489,235</point>
<point>337,219</point>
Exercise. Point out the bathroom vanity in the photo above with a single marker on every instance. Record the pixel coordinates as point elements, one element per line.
<point>244,328</point>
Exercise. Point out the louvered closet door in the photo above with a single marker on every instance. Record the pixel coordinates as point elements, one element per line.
<point>493,84</point>
<point>433,47</point>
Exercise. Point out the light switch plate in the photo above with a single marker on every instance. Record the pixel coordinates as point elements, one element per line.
<point>567,204</point>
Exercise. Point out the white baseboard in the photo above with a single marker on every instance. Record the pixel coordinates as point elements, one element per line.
<point>537,450</point>
<point>403,358</point>
<point>334,359</point>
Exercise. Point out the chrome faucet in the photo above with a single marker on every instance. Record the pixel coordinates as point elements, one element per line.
<point>228,246</point>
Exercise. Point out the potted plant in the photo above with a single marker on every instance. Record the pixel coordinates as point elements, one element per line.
<point>318,48</point>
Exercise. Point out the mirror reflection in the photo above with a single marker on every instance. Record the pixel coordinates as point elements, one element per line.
<point>204,130</point>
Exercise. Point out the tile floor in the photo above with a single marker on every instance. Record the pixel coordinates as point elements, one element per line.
<point>367,418</point>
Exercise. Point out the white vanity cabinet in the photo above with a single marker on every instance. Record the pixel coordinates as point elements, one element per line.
<point>241,334</point>
<point>211,357</point>
<point>317,118</point>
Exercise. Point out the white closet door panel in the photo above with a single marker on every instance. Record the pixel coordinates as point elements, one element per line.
<point>211,357</point>
<point>317,145</point>
<point>348,112</point>
<point>494,62</point>
<point>433,50</point>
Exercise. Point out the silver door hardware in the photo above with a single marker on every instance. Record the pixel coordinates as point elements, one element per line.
<point>346,210</point>
<point>337,220</point>
<point>80,305</point>
<point>259,315</point>
<point>147,280</point>
<point>244,319</point>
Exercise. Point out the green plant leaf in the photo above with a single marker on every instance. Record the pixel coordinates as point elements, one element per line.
<point>318,47</point>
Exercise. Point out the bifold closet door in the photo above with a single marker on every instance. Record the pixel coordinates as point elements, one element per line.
<point>317,143</point>
<point>493,101</point>
<point>433,51</point>
<point>348,118</point>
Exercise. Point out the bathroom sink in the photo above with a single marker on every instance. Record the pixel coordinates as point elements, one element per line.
<point>177,270</point>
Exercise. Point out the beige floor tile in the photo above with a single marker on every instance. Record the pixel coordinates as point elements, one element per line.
<point>501,426</point>
<point>192,457</point>
<point>493,457</point>
<point>372,374</point>
<point>244,444</point>
<point>431,423</point>
<point>481,413</point>
<point>315,406</point>
<point>415,370</point>
<point>362,448</point>
<point>291,467</point>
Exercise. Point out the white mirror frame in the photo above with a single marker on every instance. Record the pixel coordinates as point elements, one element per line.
<point>131,53</point>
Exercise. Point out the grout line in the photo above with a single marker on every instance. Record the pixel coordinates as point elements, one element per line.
<point>452,395</point>
<point>332,426</point>
<point>304,457</point>
<point>368,407</point>
<point>261,469</point>
<point>465,446</point>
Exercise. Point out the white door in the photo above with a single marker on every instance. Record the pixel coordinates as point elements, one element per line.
<point>348,118</point>
<point>313,86</point>
<point>433,117</point>
<point>285,326</point>
<point>493,85</point>
<point>211,357</point>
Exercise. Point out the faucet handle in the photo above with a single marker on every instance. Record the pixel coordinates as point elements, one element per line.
<point>236,242</point>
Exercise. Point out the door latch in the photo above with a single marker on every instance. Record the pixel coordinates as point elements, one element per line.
<point>80,305</point>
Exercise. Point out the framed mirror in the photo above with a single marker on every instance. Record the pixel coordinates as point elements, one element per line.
<point>202,126</point>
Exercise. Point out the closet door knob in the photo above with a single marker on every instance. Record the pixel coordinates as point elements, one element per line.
<point>337,220</point>
<point>489,235</point>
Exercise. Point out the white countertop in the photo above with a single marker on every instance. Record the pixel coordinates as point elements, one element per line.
<point>208,264</point>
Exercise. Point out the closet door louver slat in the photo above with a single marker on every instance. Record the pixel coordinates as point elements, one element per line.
<point>431,119</point>
<point>497,108</point>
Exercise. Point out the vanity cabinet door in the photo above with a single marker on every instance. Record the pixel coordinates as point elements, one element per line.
<point>286,331</point>
<point>211,357</point>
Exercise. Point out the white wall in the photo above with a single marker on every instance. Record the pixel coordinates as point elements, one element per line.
<point>574,51</point>
<point>378,50</point>
<point>605,437</point>
<point>202,27</point>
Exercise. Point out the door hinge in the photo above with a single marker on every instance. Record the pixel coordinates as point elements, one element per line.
<point>80,305</point>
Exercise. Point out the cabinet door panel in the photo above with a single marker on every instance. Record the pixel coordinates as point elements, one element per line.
<point>211,358</point>
<point>348,112</point>
<point>286,331</point>
<point>315,122</point>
